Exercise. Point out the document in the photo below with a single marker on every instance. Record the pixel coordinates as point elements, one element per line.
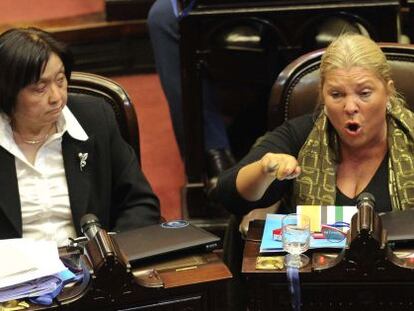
<point>25,260</point>
<point>42,290</point>
<point>13,260</point>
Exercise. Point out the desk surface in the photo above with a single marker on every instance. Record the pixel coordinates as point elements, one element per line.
<point>252,251</point>
<point>383,286</point>
<point>187,284</point>
<point>189,270</point>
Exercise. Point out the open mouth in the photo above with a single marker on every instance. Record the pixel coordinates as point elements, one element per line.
<point>353,127</point>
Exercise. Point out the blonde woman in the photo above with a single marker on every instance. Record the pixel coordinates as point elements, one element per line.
<point>360,140</point>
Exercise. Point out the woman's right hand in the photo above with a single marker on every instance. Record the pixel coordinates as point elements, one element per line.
<point>254,178</point>
<point>281,166</point>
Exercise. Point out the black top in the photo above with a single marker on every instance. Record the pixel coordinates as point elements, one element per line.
<point>289,138</point>
<point>377,186</point>
<point>112,185</point>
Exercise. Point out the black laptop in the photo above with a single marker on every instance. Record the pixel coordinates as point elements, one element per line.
<point>399,226</point>
<point>173,237</point>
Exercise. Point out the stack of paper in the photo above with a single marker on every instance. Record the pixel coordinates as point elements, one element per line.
<point>29,268</point>
<point>35,288</point>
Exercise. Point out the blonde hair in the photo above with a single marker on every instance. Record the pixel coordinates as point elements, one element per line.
<point>355,50</point>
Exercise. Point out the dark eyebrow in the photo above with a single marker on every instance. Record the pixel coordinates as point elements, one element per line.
<point>43,80</point>
<point>40,81</point>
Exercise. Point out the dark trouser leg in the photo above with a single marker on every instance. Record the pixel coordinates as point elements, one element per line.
<point>164,34</point>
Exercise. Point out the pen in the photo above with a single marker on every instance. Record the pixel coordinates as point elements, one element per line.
<point>186,268</point>
<point>272,168</point>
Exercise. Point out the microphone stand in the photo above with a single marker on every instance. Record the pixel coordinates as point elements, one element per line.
<point>366,253</point>
<point>108,278</point>
<point>112,275</point>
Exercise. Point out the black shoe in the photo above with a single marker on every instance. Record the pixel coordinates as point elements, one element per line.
<point>230,158</point>
<point>218,160</point>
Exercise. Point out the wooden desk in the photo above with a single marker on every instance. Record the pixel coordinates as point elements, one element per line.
<point>194,282</point>
<point>389,288</point>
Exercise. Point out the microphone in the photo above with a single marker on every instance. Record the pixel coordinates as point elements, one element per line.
<point>366,207</point>
<point>90,225</point>
<point>365,199</point>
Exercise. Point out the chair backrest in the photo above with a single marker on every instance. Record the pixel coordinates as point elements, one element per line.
<point>295,91</point>
<point>114,95</point>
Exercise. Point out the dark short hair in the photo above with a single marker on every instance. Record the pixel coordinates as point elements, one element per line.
<point>24,53</point>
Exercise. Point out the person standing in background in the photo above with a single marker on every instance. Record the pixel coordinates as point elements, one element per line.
<point>163,25</point>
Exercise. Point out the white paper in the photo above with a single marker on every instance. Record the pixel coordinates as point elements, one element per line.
<point>23,260</point>
<point>13,259</point>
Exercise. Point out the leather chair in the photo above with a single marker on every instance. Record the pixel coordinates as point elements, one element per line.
<point>295,91</point>
<point>114,95</point>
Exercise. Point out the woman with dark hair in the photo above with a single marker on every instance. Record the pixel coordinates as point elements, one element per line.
<point>61,157</point>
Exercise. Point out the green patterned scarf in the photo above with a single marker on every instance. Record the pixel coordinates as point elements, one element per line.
<point>318,157</point>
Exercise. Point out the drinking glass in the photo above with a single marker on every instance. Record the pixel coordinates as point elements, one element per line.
<point>296,237</point>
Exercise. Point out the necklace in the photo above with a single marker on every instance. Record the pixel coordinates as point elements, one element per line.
<point>35,141</point>
<point>38,140</point>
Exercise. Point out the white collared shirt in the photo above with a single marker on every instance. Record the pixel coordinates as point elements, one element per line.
<point>43,189</point>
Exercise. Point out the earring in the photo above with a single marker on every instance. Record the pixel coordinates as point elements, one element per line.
<point>388,107</point>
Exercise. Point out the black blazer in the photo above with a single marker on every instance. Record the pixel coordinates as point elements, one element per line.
<point>111,185</point>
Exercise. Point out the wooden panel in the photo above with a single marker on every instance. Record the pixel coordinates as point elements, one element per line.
<point>127,9</point>
<point>99,46</point>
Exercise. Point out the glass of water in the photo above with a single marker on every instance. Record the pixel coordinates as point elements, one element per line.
<point>296,237</point>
